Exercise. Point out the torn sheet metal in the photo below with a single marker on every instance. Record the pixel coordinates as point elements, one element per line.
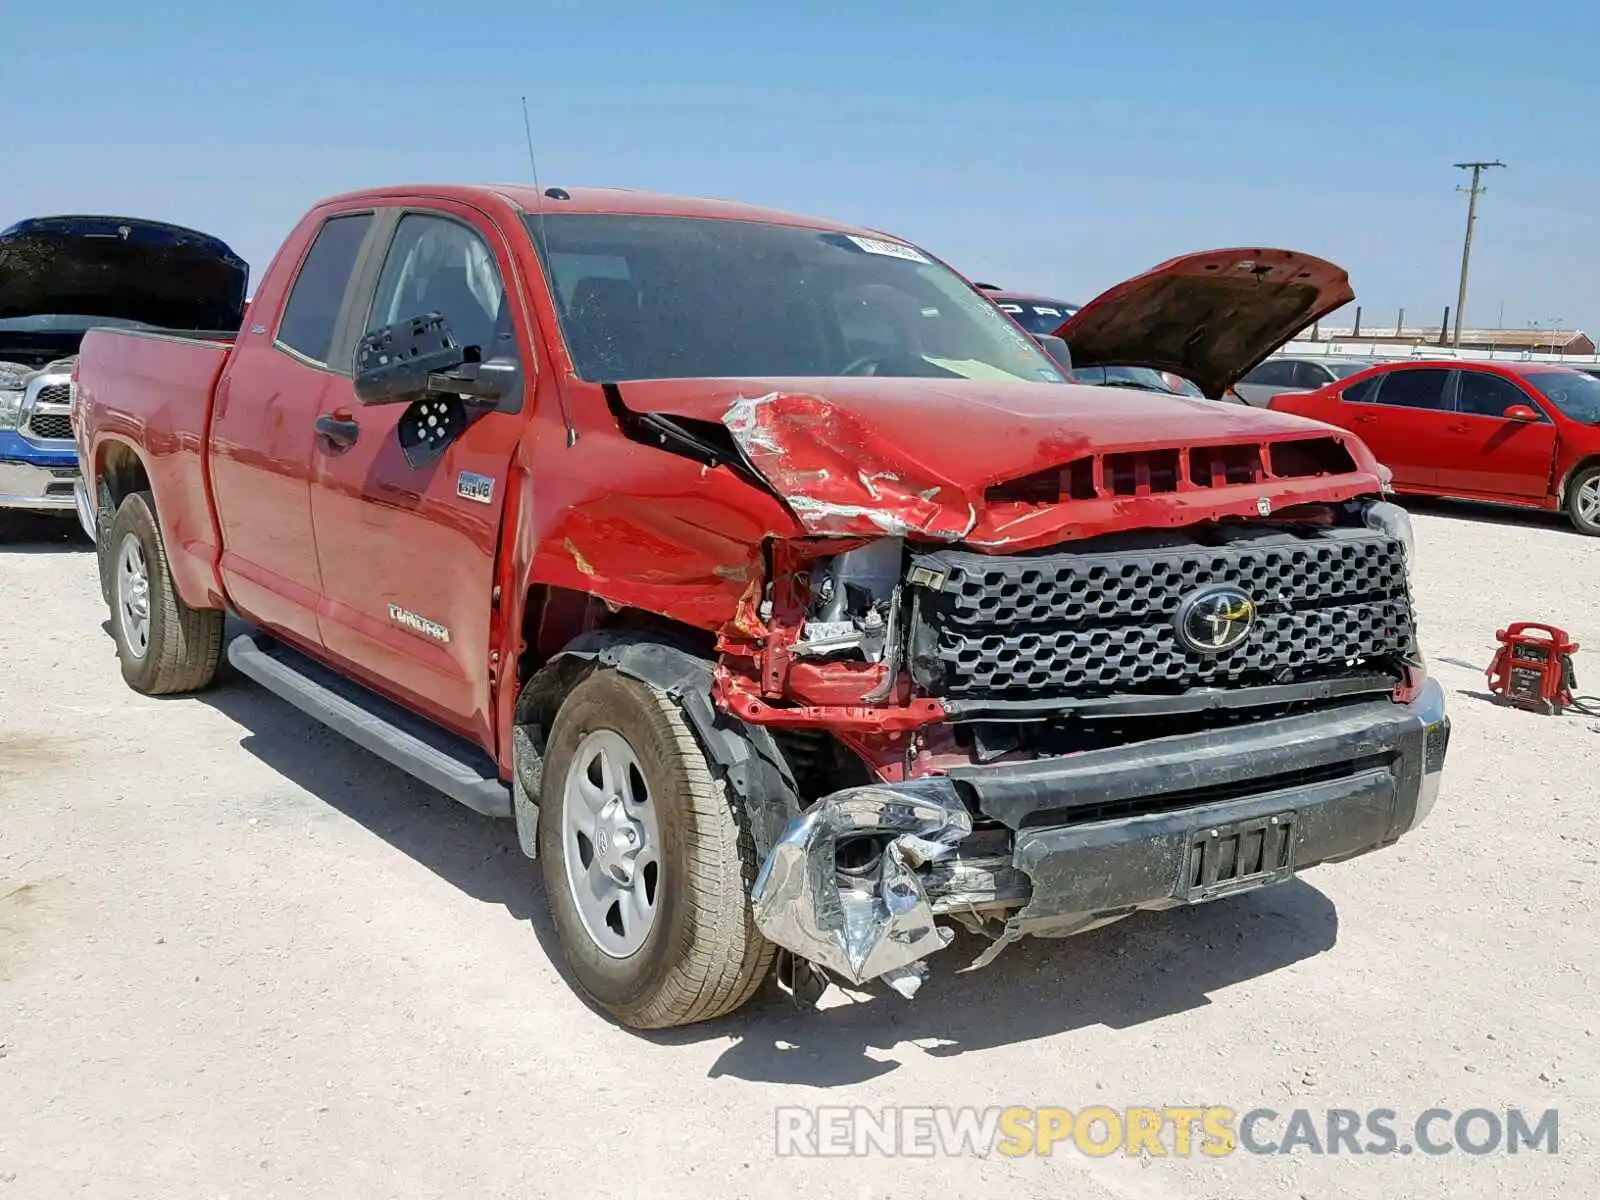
<point>838,475</point>
<point>877,926</point>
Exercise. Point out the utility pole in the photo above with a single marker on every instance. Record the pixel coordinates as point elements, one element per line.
<point>1477,169</point>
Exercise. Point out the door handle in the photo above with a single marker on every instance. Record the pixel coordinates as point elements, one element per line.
<point>339,427</point>
<point>1363,418</point>
<point>1461,428</point>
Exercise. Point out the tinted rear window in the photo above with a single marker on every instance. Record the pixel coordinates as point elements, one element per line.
<point>318,293</point>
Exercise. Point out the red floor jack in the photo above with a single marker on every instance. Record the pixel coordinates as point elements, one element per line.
<point>1533,670</point>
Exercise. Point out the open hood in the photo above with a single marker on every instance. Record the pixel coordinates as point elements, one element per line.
<point>967,460</point>
<point>120,268</point>
<point>1209,317</point>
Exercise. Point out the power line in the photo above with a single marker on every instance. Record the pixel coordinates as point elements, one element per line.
<point>1473,192</point>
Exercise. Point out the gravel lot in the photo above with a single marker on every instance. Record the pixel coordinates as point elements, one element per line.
<point>242,958</point>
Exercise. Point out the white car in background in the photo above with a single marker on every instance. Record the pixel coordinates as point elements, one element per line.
<point>1294,375</point>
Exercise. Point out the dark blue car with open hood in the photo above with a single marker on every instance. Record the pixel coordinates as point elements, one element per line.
<point>62,276</point>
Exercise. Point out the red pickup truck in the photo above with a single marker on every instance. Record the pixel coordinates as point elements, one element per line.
<point>770,579</point>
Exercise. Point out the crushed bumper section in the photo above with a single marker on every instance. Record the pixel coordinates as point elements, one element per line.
<point>1102,834</point>
<point>880,926</point>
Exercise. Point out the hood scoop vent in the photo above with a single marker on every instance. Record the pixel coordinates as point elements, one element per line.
<point>1160,472</point>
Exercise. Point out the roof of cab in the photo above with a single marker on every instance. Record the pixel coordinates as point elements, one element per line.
<point>621,201</point>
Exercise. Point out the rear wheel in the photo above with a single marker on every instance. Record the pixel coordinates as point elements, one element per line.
<point>1583,501</point>
<point>164,645</point>
<point>646,869</point>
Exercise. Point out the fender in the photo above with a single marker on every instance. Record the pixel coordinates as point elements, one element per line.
<point>746,756</point>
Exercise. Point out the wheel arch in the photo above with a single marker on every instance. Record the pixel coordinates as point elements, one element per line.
<point>745,757</point>
<point>119,466</point>
<point>1583,464</point>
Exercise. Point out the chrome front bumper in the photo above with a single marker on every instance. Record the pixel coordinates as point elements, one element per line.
<point>1273,798</point>
<point>37,488</point>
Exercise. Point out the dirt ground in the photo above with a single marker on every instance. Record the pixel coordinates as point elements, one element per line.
<point>240,957</point>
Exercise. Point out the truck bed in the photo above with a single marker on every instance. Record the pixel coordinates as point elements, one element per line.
<point>153,389</point>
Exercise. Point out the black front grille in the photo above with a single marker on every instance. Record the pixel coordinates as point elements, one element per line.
<point>50,425</point>
<point>55,393</point>
<point>1103,620</point>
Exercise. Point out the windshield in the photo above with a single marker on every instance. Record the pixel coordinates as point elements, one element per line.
<point>1340,370</point>
<point>694,298</point>
<point>1038,316</point>
<point>1574,393</point>
<point>1140,377</point>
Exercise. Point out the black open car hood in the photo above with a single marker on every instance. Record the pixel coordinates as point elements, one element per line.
<point>121,268</point>
<point>1208,317</point>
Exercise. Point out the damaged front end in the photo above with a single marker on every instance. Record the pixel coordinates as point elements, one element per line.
<point>841,888</point>
<point>1041,740</point>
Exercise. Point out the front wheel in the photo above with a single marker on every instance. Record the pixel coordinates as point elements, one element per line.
<point>1583,501</point>
<point>164,645</point>
<point>646,869</point>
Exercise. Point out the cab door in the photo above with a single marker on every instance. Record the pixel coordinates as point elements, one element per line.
<point>262,431</point>
<point>408,552</point>
<point>1401,415</point>
<point>1483,452</point>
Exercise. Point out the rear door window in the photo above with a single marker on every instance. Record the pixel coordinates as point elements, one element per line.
<point>1365,392</point>
<point>1421,388</point>
<point>317,297</point>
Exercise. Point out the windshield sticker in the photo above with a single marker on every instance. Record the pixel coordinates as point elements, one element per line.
<point>888,249</point>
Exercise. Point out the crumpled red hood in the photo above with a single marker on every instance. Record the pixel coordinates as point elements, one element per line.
<point>867,455</point>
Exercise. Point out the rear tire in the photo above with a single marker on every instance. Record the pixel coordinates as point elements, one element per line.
<point>1583,501</point>
<point>164,646</point>
<point>698,954</point>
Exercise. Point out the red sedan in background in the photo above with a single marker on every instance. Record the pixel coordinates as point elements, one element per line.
<point>1510,433</point>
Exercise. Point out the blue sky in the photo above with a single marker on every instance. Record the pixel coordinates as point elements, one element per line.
<point>1048,147</point>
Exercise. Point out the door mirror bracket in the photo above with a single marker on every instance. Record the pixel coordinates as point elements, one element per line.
<point>410,360</point>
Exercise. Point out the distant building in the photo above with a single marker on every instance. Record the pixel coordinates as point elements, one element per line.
<point>1548,341</point>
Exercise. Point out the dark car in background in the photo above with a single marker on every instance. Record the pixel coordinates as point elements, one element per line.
<point>60,277</point>
<point>1037,314</point>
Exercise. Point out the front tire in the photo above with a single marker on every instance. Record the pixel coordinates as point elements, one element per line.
<point>646,869</point>
<point>164,646</point>
<point>1583,501</point>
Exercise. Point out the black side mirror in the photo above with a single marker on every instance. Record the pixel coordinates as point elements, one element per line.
<point>409,360</point>
<point>393,363</point>
<point>1057,349</point>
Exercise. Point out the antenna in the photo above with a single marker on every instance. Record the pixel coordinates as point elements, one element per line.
<point>527,130</point>
<point>543,249</point>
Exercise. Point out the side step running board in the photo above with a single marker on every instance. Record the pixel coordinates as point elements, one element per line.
<point>455,767</point>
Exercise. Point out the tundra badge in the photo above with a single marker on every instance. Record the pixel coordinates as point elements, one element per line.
<point>472,486</point>
<point>410,620</point>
